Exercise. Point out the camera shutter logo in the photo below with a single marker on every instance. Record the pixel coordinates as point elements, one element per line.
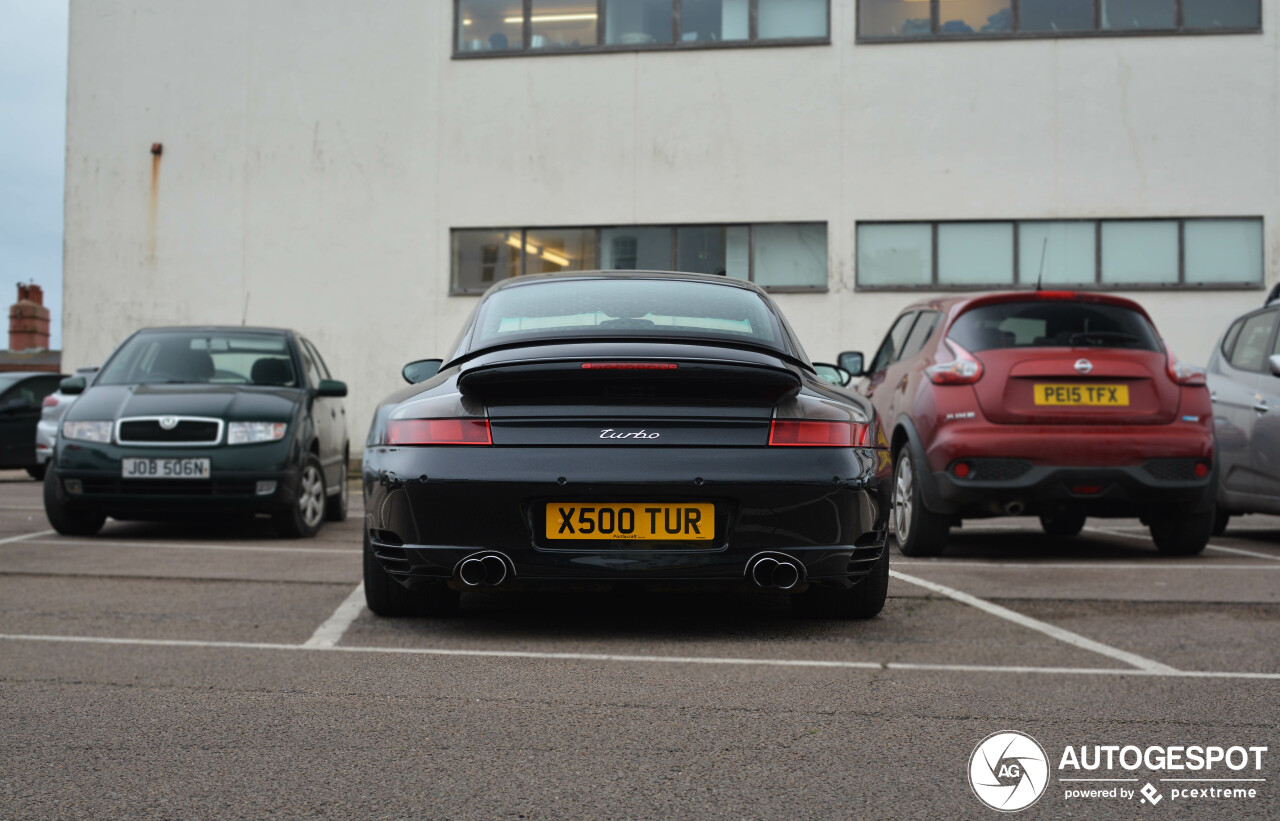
<point>1008,771</point>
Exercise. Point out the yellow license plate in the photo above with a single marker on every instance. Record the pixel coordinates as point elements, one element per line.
<point>641,521</point>
<point>1109,395</point>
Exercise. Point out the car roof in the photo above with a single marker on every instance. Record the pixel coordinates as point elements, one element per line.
<point>253,329</point>
<point>674,276</point>
<point>956,305</point>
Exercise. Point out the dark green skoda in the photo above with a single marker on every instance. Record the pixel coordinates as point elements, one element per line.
<point>184,422</point>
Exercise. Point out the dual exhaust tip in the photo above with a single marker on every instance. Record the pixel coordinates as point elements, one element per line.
<point>780,573</point>
<point>486,570</point>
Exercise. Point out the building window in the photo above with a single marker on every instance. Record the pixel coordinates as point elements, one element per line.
<point>776,256</point>
<point>891,20</point>
<point>1199,253</point>
<point>492,28</point>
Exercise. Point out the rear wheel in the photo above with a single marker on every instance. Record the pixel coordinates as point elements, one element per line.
<point>37,471</point>
<point>1220,519</point>
<point>304,516</point>
<point>864,600</point>
<point>1063,523</point>
<point>1181,534</point>
<point>918,530</point>
<point>65,517</point>
<point>387,597</point>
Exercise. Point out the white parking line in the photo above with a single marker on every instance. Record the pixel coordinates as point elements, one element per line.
<point>330,633</point>
<point>1101,565</point>
<point>1074,639</point>
<point>612,657</point>
<point>26,536</point>
<point>173,546</point>
<point>1147,539</point>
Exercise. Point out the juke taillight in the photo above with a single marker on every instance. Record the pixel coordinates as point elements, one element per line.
<point>965,369</point>
<point>1183,373</point>
<point>438,432</point>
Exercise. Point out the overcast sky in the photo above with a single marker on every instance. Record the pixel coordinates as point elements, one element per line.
<point>33,113</point>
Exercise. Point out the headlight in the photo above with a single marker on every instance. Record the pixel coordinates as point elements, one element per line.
<point>87,431</point>
<point>246,433</point>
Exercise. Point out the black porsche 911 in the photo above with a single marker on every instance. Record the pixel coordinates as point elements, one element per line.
<point>637,427</point>
<point>183,422</point>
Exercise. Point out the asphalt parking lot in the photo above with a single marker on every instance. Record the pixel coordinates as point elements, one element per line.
<point>216,671</point>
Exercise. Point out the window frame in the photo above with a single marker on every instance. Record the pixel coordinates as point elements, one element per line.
<point>1096,285</point>
<point>1015,33</point>
<point>672,228</point>
<point>752,41</point>
<point>1268,345</point>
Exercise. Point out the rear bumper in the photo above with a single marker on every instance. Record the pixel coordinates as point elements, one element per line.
<point>1100,491</point>
<point>429,508</point>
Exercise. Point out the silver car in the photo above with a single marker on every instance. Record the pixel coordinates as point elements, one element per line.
<point>55,404</point>
<point>1244,384</point>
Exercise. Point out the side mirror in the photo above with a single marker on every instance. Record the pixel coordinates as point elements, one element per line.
<point>1274,363</point>
<point>834,374</point>
<point>851,361</point>
<point>421,371</point>
<point>331,387</point>
<point>72,386</point>
<point>14,405</point>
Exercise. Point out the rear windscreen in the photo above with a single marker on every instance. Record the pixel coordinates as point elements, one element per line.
<point>607,308</point>
<point>1059,324</point>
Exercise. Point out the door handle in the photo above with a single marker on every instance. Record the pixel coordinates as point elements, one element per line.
<point>1261,407</point>
<point>1213,396</point>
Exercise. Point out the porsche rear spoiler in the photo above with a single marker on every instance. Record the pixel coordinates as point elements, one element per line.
<point>630,380</point>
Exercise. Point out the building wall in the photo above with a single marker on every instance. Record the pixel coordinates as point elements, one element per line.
<point>316,154</point>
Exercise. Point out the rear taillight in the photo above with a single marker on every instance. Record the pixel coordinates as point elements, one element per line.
<point>438,432</point>
<point>1183,373</point>
<point>50,401</point>
<point>965,369</point>
<point>819,433</point>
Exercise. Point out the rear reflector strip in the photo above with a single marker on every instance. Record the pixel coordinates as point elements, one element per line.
<point>629,366</point>
<point>438,432</point>
<point>819,434</point>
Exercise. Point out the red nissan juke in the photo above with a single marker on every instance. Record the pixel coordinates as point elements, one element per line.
<point>1057,404</point>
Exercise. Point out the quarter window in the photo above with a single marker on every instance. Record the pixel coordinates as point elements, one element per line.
<point>1251,345</point>
<point>1173,253</point>
<point>888,20</point>
<point>920,333</point>
<point>893,343</point>
<point>776,256</point>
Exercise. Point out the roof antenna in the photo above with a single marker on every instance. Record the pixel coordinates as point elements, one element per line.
<point>244,317</point>
<point>1043,250</point>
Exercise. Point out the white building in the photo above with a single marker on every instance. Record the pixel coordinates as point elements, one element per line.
<point>357,169</point>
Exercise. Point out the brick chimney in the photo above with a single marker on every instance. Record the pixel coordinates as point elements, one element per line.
<point>29,320</point>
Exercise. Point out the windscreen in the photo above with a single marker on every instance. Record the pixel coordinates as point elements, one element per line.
<point>604,308</point>
<point>1056,324</point>
<point>220,357</point>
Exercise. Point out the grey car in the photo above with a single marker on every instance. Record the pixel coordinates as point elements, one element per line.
<point>1244,384</point>
<point>55,404</point>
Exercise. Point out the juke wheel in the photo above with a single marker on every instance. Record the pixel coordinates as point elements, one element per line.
<point>1181,534</point>
<point>917,530</point>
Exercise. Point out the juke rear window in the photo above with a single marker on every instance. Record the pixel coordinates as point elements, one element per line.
<point>1057,324</point>
<point>625,308</point>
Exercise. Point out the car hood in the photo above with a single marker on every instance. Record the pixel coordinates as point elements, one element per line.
<point>230,402</point>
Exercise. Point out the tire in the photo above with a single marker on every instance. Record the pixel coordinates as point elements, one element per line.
<point>1063,523</point>
<point>388,598</point>
<point>917,530</point>
<point>37,472</point>
<point>64,516</point>
<point>1220,519</point>
<point>335,507</point>
<point>864,600</point>
<point>1181,534</point>
<point>303,518</point>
